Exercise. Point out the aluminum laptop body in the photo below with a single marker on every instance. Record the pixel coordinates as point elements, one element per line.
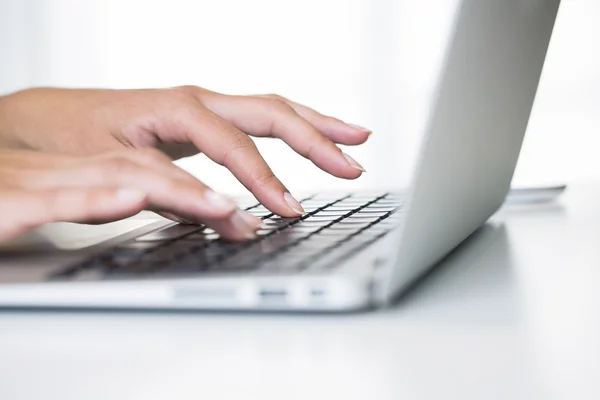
<point>476,124</point>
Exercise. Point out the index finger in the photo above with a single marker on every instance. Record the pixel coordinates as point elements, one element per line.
<point>228,146</point>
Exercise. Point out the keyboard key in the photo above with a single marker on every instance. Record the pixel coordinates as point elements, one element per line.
<point>237,263</point>
<point>376,209</point>
<point>302,229</point>
<point>259,213</point>
<point>339,213</point>
<point>123,259</point>
<point>322,217</point>
<point>318,203</point>
<point>369,214</point>
<point>331,257</point>
<point>187,265</point>
<point>340,233</point>
<point>308,227</point>
<point>307,245</point>
<point>380,208</point>
<point>344,209</point>
<point>360,220</point>
<point>282,220</point>
<point>384,202</point>
<point>268,224</point>
<point>365,196</point>
<point>329,196</point>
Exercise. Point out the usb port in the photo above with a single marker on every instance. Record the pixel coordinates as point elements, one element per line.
<point>273,293</point>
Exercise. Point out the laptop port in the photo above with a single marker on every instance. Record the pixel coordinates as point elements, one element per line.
<point>273,293</point>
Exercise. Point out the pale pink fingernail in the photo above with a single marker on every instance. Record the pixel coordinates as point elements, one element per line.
<point>353,163</point>
<point>293,203</point>
<point>361,128</point>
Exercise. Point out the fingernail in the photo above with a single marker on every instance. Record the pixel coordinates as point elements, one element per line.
<point>131,195</point>
<point>219,201</point>
<point>245,224</point>
<point>361,128</point>
<point>293,203</point>
<point>353,163</point>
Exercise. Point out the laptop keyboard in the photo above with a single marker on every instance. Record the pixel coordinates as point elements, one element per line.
<point>333,228</point>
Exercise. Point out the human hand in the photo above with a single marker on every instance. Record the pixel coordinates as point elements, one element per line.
<point>37,188</point>
<point>181,121</point>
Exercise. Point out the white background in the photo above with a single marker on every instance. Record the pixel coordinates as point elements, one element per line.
<point>367,62</point>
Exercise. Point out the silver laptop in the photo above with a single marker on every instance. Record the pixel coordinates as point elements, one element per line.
<point>351,250</point>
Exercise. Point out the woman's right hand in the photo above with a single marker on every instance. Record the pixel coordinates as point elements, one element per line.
<point>38,188</point>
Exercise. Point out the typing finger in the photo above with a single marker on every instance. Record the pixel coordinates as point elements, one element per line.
<point>228,146</point>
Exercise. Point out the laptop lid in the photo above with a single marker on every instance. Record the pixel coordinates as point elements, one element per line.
<point>477,121</point>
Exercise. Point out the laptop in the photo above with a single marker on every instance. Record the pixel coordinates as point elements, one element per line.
<point>351,251</point>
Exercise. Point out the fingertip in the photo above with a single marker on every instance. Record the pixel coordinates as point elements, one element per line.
<point>239,227</point>
<point>293,204</point>
<point>337,163</point>
<point>353,163</point>
<point>360,129</point>
<point>253,222</point>
<point>348,134</point>
<point>355,137</point>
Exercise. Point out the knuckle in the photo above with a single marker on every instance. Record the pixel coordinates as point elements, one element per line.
<point>188,92</point>
<point>279,112</point>
<point>176,98</point>
<point>275,96</point>
<point>319,142</point>
<point>187,89</point>
<point>278,103</point>
<point>238,142</point>
<point>264,180</point>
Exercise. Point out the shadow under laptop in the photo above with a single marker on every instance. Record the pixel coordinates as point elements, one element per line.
<point>477,281</point>
<point>474,281</point>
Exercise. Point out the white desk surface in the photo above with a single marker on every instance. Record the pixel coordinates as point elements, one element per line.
<point>513,314</point>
